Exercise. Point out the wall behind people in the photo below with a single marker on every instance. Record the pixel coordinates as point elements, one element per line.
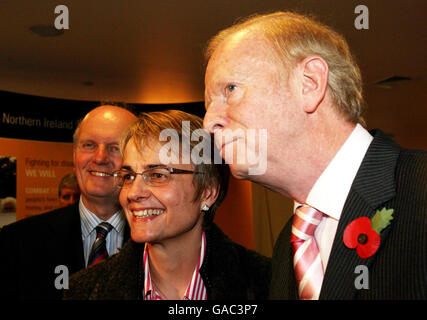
<point>235,215</point>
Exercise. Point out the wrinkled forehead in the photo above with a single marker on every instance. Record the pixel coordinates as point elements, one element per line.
<point>100,134</point>
<point>240,54</point>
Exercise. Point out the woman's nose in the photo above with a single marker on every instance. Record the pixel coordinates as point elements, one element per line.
<point>138,189</point>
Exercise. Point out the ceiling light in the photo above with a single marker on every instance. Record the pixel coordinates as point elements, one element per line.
<point>390,81</point>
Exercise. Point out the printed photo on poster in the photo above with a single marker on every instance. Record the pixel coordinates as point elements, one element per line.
<point>7,189</point>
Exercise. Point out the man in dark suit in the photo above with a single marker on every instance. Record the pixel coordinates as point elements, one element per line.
<point>359,228</point>
<point>38,254</point>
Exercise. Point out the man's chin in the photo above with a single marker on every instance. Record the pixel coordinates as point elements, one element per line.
<point>239,171</point>
<point>246,172</point>
<point>102,194</point>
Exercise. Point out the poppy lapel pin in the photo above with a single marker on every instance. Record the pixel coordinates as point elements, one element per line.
<point>363,234</point>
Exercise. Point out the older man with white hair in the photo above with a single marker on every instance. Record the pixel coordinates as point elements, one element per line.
<point>359,228</point>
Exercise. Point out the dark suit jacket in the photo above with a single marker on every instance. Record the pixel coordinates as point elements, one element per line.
<point>30,250</point>
<point>389,177</point>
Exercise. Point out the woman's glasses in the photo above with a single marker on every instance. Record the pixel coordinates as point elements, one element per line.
<point>152,177</point>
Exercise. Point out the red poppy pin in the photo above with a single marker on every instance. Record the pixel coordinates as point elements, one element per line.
<point>364,233</point>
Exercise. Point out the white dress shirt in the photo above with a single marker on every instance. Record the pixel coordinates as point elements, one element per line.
<point>331,189</point>
<point>89,221</point>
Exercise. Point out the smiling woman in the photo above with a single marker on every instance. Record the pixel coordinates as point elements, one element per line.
<point>170,209</point>
<point>175,197</point>
<point>143,138</point>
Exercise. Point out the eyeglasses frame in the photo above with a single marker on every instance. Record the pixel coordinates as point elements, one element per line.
<point>169,169</point>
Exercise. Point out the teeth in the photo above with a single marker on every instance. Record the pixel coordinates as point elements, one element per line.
<point>100,174</point>
<point>148,213</point>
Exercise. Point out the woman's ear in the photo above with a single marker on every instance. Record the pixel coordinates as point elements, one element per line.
<point>210,195</point>
<point>315,82</point>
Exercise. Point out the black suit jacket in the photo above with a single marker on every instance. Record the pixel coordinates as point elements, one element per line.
<point>31,249</point>
<point>388,177</point>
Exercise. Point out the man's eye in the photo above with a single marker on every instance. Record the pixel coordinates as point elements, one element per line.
<point>114,149</point>
<point>88,146</point>
<point>231,87</point>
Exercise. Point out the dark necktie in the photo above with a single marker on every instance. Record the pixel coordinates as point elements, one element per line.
<point>99,250</point>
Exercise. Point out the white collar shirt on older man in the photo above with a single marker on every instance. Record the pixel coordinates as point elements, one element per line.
<point>331,189</point>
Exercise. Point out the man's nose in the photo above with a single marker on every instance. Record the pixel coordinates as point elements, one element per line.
<point>101,155</point>
<point>214,120</point>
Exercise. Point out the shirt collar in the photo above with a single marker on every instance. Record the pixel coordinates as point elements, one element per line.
<point>90,221</point>
<point>149,291</point>
<point>331,189</point>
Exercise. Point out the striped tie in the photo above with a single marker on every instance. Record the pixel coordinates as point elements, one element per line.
<point>99,250</point>
<point>307,263</point>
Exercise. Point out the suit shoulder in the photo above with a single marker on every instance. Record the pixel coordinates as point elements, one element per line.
<point>253,262</point>
<point>35,226</point>
<point>411,171</point>
<point>40,219</point>
<point>414,158</point>
<point>82,283</point>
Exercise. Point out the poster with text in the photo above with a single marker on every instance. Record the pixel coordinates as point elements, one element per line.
<point>31,172</point>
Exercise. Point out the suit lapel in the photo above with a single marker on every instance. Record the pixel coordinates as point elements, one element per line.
<point>372,187</point>
<point>283,283</point>
<point>126,233</point>
<point>338,282</point>
<point>75,242</point>
<point>68,243</point>
<point>291,287</point>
